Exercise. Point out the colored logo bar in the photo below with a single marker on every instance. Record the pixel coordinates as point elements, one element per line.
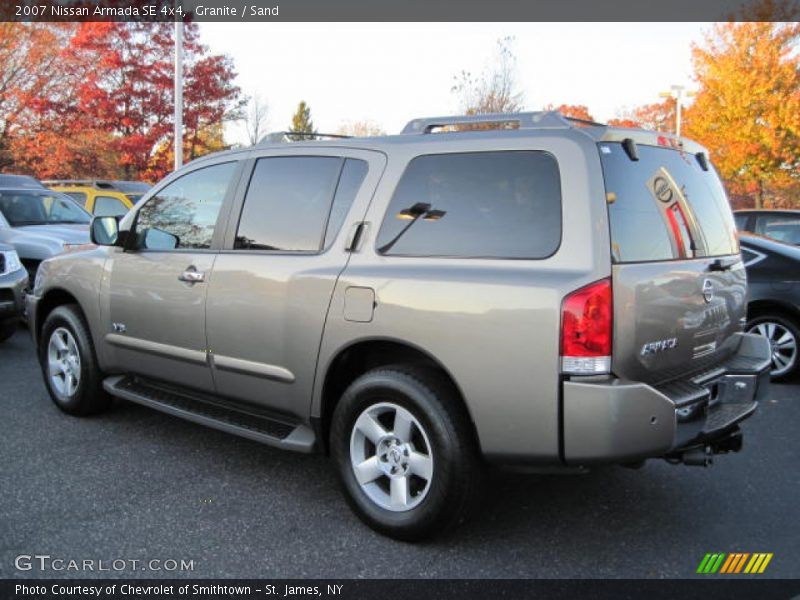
<point>736,562</point>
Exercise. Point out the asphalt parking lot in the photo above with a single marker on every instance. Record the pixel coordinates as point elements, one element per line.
<point>134,484</point>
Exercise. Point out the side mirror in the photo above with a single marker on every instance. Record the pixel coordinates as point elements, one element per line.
<point>104,231</point>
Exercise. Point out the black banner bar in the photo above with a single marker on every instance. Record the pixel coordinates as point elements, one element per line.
<point>406,589</point>
<point>399,10</point>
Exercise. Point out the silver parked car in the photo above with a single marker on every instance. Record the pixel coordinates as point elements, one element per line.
<point>556,295</point>
<point>40,223</point>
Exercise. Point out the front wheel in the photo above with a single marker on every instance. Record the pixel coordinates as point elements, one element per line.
<point>783,335</point>
<point>406,453</point>
<point>69,365</point>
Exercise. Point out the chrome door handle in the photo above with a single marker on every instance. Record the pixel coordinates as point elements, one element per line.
<point>192,275</point>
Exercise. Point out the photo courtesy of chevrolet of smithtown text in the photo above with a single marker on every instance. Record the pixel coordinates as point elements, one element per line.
<point>344,299</point>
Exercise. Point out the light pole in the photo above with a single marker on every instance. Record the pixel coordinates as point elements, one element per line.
<point>178,133</point>
<point>677,92</point>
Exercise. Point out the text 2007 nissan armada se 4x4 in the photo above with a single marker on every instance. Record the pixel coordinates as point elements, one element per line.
<point>547,293</point>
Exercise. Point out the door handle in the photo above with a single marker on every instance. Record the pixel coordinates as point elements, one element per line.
<point>192,275</point>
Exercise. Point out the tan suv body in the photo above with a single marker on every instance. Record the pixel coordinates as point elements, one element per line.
<point>555,295</point>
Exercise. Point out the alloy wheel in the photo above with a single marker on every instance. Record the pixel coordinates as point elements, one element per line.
<point>783,345</point>
<point>391,457</point>
<point>63,362</point>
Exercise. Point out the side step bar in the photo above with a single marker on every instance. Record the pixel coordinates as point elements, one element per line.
<point>229,416</point>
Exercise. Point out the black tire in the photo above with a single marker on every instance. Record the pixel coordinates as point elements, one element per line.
<point>88,397</point>
<point>7,329</point>
<point>760,325</point>
<point>453,490</point>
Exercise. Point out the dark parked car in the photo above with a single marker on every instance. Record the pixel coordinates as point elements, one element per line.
<point>9,180</point>
<point>773,273</point>
<point>13,282</point>
<point>781,225</point>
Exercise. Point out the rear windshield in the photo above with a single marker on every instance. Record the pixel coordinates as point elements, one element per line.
<point>664,206</point>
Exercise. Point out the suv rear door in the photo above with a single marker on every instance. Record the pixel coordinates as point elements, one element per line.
<point>678,281</point>
<point>285,247</point>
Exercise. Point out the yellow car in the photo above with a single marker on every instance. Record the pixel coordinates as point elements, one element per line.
<point>101,197</point>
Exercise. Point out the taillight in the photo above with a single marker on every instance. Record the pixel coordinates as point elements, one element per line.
<point>586,329</point>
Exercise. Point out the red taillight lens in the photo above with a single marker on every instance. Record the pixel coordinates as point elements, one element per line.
<point>586,329</point>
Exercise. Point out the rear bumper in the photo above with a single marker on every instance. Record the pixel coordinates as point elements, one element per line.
<point>618,421</point>
<point>12,294</point>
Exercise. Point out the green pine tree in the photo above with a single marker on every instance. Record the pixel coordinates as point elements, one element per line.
<point>302,123</point>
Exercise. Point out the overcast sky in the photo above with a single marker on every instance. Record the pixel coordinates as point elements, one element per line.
<point>392,72</point>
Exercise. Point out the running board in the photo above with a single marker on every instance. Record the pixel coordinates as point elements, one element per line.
<point>217,413</point>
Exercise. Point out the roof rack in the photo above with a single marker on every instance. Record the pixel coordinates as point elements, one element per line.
<point>278,137</point>
<point>524,120</point>
<point>96,183</point>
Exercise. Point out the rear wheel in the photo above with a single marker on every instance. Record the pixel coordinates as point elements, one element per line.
<point>69,365</point>
<point>783,335</point>
<point>406,452</point>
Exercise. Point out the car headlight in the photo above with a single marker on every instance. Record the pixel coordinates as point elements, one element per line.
<point>12,262</point>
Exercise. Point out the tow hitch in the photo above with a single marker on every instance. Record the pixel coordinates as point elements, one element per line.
<point>702,455</point>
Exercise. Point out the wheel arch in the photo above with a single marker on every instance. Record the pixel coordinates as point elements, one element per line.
<point>51,300</point>
<point>758,308</point>
<point>362,355</point>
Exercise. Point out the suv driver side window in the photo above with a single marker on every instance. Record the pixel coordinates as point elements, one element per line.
<point>184,213</point>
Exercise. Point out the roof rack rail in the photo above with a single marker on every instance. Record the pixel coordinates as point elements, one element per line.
<point>277,137</point>
<point>96,183</point>
<point>524,120</point>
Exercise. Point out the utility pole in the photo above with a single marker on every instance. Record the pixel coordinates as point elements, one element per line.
<point>178,134</point>
<point>677,92</point>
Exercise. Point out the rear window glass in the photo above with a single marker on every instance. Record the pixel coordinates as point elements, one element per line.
<point>664,206</point>
<point>784,228</point>
<point>478,204</point>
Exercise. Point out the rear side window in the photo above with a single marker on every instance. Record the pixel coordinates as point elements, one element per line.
<point>785,228</point>
<point>79,197</point>
<point>664,206</point>
<point>475,205</point>
<point>298,203</point>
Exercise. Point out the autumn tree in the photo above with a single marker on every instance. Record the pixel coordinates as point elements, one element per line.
<point>365,128</point>
<point>129,91</point>
<point>255,118</point>
<point>495,89</point>
<point>659,116</point>
<point>302,123</point>
<point>574,111</point>
<point>36,80</point>
<point>747,109</point>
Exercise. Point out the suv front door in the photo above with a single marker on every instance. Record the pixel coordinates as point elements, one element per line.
<point>158,284</point>
<point>285,248</point>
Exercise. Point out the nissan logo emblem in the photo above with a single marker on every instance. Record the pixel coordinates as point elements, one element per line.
<point>662,189</point>
<point>708,290</point>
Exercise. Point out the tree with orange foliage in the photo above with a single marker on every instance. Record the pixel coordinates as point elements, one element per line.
<point>659,116</point>
<point>747,109</point>
<point>35,77</point>
<point>574,111</point>
<point>130,91</point>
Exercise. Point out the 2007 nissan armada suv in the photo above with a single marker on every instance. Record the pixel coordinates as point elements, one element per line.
<point>546,293</point>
